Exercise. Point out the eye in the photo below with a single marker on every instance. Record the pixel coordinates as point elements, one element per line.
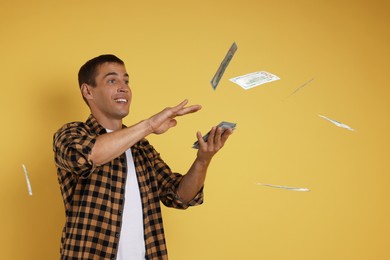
<point>111,81</point>
<point>126,81</point>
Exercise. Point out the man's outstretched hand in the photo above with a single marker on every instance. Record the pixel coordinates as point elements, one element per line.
<point>162,121</point>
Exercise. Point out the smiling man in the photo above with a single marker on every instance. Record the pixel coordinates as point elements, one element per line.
<point>112,179</point>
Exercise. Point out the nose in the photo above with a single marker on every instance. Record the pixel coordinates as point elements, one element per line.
<point>123,88</point>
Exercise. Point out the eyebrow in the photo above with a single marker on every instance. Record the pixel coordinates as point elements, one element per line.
<point>115,74</point>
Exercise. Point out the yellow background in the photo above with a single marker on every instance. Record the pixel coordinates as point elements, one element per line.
<point>172,49</point>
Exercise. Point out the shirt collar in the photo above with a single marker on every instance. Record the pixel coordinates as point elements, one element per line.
<point>95,126</point>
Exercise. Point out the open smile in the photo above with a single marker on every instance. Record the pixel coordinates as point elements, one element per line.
<point>121,100</point>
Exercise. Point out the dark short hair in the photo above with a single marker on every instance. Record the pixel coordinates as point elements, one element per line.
<point>88,71</point>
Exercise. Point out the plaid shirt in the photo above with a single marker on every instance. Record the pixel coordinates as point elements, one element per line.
<point>94,195</point>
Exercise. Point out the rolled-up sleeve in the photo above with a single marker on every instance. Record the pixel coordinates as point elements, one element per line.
<point>72,147</point>
<point>171,198</point>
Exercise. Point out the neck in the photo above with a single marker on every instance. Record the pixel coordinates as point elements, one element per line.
<point>108,123</point>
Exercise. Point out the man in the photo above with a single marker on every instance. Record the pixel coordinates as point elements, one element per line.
<point>112,180</point>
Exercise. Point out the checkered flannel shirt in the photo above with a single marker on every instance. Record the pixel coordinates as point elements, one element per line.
<point>94,195</point>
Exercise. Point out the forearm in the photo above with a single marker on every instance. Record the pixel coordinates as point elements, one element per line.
<point>194,180</point>
<point>111,145</point>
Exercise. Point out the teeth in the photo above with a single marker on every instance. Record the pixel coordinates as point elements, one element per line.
<point>120,100</point>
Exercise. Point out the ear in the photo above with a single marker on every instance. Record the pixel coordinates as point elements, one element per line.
<point>86,91</point>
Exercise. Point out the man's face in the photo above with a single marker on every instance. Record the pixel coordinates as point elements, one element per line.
<point>112,94</point>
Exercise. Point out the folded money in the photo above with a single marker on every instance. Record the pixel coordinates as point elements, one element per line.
<point>224,125</point>
<point>218,75</point>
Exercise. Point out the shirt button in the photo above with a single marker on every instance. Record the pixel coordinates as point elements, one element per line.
<point>120,212</point>
<point>117,234</point>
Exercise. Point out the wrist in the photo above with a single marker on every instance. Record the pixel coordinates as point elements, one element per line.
<point>204,162</point>
<point>147,126</point>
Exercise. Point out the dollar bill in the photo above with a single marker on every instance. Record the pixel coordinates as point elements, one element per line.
<point>295,91</point>
<point>254,79</point>
<point>27,180</point>
<point>218,75</point>
<point>224,125</point>
<point>284,187</point>
<point>339,124</point>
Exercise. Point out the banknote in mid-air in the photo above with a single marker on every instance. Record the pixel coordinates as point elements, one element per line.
<point>295,91</point>
<point>254,79</point>
<point>27,180</point>
<point>339,124</point>
<point>218,75</point>
<point>284,187</point>
<point>224,125</point>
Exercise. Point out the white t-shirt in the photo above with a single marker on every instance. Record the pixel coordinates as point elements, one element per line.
<point>131,242</point>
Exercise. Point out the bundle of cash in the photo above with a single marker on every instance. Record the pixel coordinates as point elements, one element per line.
<point>218,75</point>
<point>224,125</point>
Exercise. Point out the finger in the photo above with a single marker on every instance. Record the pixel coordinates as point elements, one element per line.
<point>210,140</point>
<point>226,135</point>
<point>217,138</point>
<point>172,123</point>
<point>199,137</point>
<point>180,106</point>
<point>188,110</point>
<point>201,141</point>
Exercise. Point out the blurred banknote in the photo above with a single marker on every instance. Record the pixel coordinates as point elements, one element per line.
<point>339,124</point>
<point>224,125</point>
<point>254,79</point>
<point>27,180</point>
<point>218,75</point>
<point>284,187</point>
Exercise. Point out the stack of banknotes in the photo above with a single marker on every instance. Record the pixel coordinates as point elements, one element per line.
<point>224,125</point>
